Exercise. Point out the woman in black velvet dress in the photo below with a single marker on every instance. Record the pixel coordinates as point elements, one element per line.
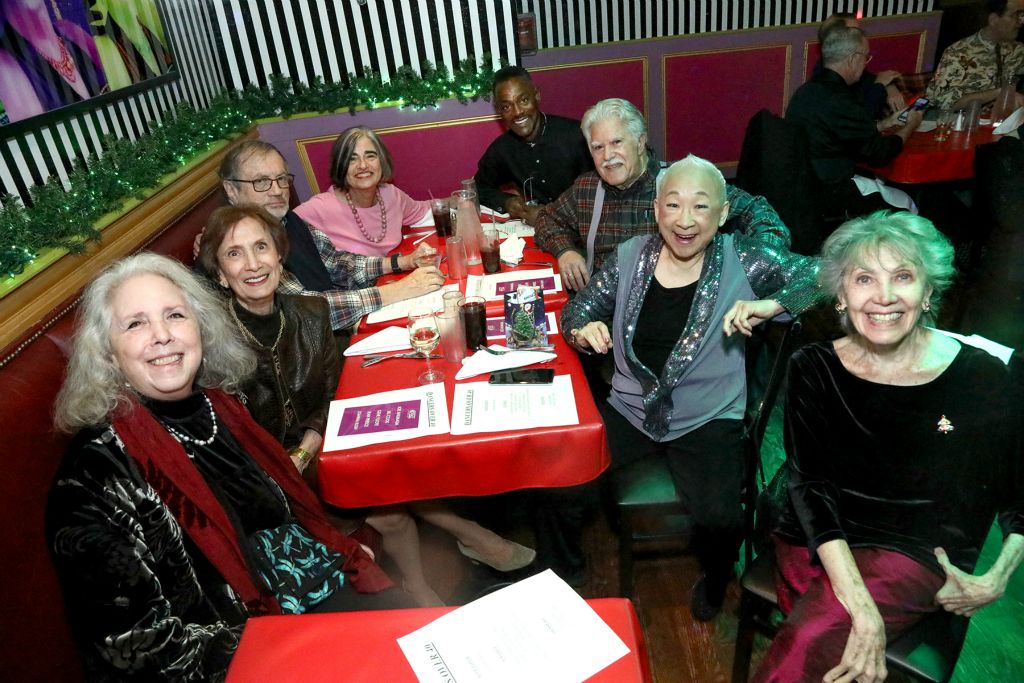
<point>903,447</point>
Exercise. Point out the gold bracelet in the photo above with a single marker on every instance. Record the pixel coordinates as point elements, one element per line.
<point>301,453</point>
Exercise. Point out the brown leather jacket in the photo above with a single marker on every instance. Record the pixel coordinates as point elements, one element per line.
<point>307,372</point>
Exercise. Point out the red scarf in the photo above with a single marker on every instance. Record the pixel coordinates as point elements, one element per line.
<point>181,487</point>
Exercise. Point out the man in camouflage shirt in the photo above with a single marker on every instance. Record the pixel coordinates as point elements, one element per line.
<point>975,68</point>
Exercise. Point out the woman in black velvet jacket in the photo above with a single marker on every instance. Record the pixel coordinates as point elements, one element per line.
<point>903,447</point>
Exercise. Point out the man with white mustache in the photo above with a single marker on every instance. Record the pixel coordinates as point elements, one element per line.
<point>605,208</point>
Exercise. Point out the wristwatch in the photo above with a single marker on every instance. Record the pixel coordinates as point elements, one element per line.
<point>394,263</point>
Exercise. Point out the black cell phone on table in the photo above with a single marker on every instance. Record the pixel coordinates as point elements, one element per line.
<point>917,105</point>
<point>533,376</point>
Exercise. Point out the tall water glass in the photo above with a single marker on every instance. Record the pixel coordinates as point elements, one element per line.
<point>455,248</point>
<point>452,300</point>
<point>490,250</point>
<point>453,334</point>
<point>1006,101</point>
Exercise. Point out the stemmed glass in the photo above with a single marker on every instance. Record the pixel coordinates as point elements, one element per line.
<point>424,337</point>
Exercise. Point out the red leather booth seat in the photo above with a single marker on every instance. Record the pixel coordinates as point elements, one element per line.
<point>35,640</point>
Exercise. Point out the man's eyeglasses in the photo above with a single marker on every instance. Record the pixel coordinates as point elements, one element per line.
<point>866,55</point>
<point>263,184</point>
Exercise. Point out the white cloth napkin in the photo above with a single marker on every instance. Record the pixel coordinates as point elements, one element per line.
<point>392,338</point>
<point>511,250</point>
<point>481,361</point>
<point>1010,123</point>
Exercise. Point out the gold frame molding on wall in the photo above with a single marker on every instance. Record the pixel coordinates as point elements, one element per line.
<point>598,62</point>
<point>921,42</point>
<point>33,302</point>
<point>307,167</point>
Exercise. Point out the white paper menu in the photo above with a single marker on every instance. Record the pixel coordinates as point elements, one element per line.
<point>387,416</point>
<point>536,630</point>
<point>401,309</point>
<point>483,407</point>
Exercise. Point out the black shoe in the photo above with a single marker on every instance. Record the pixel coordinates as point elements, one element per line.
<point>707,598</point>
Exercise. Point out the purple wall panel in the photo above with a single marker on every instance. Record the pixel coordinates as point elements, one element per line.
<point>571,89</point>
<point>704,110</point>
<point>715,88</point>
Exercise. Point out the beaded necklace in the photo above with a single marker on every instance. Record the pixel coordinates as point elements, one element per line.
<point>359,221</point>
<point>183,438</point>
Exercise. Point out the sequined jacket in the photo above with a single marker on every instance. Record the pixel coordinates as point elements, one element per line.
<point>303,373</point>
<point>563,225</point>
<point>704,377</point>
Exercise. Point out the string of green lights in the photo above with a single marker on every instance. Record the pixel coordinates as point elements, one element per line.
<point>66,218</point>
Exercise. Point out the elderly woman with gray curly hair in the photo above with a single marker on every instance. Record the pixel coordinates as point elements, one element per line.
<point>174,516</point>
<point>903,447</point>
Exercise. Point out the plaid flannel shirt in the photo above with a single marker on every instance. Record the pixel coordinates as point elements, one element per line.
<point>353,276</point>
<point>564,223</point>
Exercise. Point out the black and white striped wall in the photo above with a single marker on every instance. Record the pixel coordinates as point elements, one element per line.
<point>562,23</point>
<point>228,44</point>
<point>331,39</point>
<point>221,44</point>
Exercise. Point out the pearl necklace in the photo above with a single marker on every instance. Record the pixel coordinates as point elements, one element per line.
<point>183,438</point>
<point>359,221</point>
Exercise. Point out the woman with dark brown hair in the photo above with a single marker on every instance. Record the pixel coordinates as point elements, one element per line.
<point>362,212</point>
<point>296,377</point>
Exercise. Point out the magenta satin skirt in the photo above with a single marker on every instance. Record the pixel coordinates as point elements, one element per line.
<point>812,639</point>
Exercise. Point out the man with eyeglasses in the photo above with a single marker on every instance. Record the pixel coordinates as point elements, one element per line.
<point>842,133</point>
<point>977,67</point>
<point>878,91</point>
<point>539,154</point>
<point>254,172</point>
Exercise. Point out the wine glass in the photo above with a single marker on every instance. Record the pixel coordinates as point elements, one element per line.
<point>432,258</point>
<point>424,337</point>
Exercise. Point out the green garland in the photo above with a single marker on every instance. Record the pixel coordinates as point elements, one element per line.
<point>66,218</point>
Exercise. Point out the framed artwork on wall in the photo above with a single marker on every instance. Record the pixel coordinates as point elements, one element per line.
<point>59,57</point>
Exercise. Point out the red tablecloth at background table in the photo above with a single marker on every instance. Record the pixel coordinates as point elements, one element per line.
<point>552,301</point>
<point>467,465</point>
<point>923,160</point>
<point>361,647</point>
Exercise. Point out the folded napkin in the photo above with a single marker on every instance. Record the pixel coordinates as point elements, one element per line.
<point>1010,123</point>
<point>389,339</point>
<point>482,362</point>
<point>511,250</point>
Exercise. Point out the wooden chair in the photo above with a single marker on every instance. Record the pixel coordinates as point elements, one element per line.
<point>648,509</point>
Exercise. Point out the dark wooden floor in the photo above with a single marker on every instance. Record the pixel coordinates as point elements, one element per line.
<point>683,650</point>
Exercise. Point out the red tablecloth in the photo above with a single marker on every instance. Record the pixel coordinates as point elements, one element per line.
<point>467,465</point>
<point>531,255</point>
<point>923,160</point>
<point>361,647</point>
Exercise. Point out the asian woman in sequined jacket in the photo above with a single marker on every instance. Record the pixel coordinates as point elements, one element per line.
<point>666,307</point>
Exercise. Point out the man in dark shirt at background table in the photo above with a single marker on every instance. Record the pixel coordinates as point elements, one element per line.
<point>840,131</point>
<point>540,154</point>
